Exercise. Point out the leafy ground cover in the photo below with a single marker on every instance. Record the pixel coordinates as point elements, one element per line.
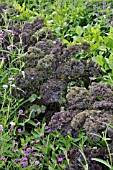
<point>56,77</point>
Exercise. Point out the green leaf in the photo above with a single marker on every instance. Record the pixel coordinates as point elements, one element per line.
<point>100,60</point>
<point>22,141</point>
<point>110,43</point>
<point>63,99</point>
<point>36,109</point>
<point>110,64</point>
<point>79,30</point>
<point>21,124</point>
<point>53,148</point>
<point>52,7</point>
<point>103,162</point>
<point>35,134</point>
<point>111,57</point>
<point>32,122</point>
<point>33,98</point>
<point>102,48</point>
<point>8,153</point>
<point>65,41</point>
<point>43,108</point>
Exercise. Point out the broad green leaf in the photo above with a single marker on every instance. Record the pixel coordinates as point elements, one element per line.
<point>103,48</point>
<point>110,43</point>
<point>52,7</point>
<point>95,46</point>
<point>110,64</point>
<point>100,60</point>
<point>79,30</point>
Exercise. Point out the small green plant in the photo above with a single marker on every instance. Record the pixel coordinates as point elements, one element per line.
<point>108,163</point>
<point>36,148</point>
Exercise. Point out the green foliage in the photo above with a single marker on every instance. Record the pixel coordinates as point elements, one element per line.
<point>36,109</point>
<point>74,22</point>
<point>107,163</point>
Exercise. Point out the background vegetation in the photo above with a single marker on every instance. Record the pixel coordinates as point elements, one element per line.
<point>28,136</point>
